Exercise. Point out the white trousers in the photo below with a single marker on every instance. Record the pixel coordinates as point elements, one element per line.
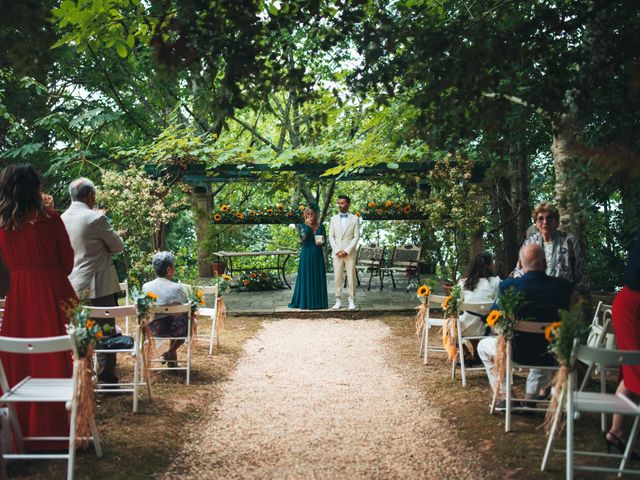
<point>347,263</point>
<point>536,379</point>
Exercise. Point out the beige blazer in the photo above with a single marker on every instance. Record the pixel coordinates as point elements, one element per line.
<point>344,239</point>
<point>94,242</point>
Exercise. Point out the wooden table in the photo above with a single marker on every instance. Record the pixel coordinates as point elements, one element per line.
<point>281,256</point>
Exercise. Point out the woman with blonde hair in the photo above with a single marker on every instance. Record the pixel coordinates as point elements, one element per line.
<point>310,292</point>
<point>561,250</point>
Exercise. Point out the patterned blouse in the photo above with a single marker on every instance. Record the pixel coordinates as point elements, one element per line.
<point>564,259</point>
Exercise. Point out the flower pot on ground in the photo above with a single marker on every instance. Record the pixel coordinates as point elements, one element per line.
<point>217,268</point>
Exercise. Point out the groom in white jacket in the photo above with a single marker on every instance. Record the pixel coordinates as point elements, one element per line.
<point>344,233</point>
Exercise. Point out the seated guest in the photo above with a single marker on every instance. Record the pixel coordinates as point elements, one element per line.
<point>543,297</point>
<point>169,293</point>
<point>478,285</point>
<point>626,324</point>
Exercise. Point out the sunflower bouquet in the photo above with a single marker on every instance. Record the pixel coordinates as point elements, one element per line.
<point>423,295</point>
<point>561,336</point>
<point>502,321</point>
<point>224,283</point>
<point>143,302</point>
<point>84,330</point>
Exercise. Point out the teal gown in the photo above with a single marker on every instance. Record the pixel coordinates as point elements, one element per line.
<point>310,292</point>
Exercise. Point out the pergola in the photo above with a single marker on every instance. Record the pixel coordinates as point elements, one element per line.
<point>203,180</point>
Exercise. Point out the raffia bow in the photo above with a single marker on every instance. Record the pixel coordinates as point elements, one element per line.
<point>220,319</point>
<point>85,397</point>
<point>420,316</point>
<point>558,390</point>
<point>450,337</point>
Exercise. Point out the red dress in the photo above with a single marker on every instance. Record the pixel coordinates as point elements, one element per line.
<point>39,257</point>
<point>626,324</point>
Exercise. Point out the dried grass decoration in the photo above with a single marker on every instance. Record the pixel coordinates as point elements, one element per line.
<point>450,328</point>
<point>561,337</point>
<point>144,302</point>
<point>85,332</point>
<point>502,322</point>
<point>423,295</point>
<point>221,316</point>
<point>196,300</point>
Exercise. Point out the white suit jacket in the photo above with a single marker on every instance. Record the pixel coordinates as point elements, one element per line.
<point>94,242</point>
<point>346,239</point>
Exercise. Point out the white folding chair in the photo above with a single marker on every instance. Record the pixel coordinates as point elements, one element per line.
<point>44,390</point>
<point>435,302</point>
<point>165,310</point>
<point>577,402</point>
<point>212,312</point>
<point>600,336</point>
<point>523,327</point>
<point>480,309</point>
<point>124,287</point>
<point>138,368</point>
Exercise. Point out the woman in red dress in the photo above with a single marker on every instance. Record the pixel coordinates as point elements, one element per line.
<point>36,249</point>
<point>626,323</point>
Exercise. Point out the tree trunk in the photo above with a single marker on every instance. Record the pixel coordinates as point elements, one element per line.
<point>521,194</point>
<point>201,202</point>
<point>568,178</point>
<point>508,257</point>
<point>630,213</point>
<point>159,239</point>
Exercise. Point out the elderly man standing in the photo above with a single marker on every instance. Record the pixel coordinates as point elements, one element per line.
<point>543,297</point>
<point>94,276</point>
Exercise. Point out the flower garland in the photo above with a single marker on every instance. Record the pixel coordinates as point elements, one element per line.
<point>389,210</point>
<point>269,215</point>
<point>449,329</point>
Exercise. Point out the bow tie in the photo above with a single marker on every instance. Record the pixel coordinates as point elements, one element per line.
<point>344,215</point>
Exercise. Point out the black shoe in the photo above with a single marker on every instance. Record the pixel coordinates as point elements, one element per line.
<point>620,446</point>
<point>108,378</point>
<point>501,405</point>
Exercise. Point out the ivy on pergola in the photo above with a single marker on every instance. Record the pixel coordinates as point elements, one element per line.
<point>202,179</point>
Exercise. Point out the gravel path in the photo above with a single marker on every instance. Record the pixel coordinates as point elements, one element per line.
<point>318,399</point>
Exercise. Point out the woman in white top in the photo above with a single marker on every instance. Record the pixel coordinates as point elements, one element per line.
<point>478,285</point>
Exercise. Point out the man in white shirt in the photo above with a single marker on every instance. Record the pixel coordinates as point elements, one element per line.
<point>344,233</point>
<point>94,276</point>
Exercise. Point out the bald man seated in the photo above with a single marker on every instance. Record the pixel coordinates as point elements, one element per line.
<point>544,296</point>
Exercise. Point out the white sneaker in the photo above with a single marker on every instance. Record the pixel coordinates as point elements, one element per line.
<point>337,305</point>
<point>352,305</point>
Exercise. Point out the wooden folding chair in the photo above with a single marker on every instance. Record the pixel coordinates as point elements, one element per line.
<point>44,390</point>
<point>138,367</point>
<point>480,309</point>
<point>577,402</point>
<point>175,310</point>
<point>435,302</point>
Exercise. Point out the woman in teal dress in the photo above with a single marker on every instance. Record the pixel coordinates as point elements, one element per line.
<point>310,292</point>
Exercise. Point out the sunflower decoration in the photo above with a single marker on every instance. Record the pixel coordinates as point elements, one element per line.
<point>406,209</point>
<point>200,296</point>
<point>388,203</point>
<point>281,207</point>
<point>493,317</point>
<point>239,215</point>
<point>226,277</point>
<point>245,282</point>
<point>358,214</point>
<point>550,332</point>
<point>217,217</point>
<point>423,291</point>
<point>252,213</point>
<point>152,296</point>
<point>372,204</point>
<point>224,208</point>
<point>445,302</point>
<point>253,275</point>
<point>269,211</point>
<point>301,207</point>
<point>378,211</point>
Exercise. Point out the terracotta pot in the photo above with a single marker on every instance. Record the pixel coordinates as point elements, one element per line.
<point>217,268</point>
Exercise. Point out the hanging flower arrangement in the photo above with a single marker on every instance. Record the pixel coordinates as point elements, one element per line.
<point>389,210</point>
<point>280,214</point>
<point>449,329</point>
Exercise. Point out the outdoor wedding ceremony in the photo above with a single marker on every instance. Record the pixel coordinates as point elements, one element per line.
<point>332,239</point>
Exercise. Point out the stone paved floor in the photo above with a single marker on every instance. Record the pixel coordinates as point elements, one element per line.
<point>264,303</point>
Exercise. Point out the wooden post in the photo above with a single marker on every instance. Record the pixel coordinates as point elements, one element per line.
<point>201,204</point>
